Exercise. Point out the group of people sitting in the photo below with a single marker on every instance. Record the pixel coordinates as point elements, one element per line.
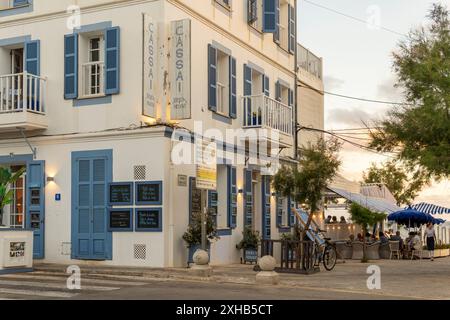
<point>332,220</point>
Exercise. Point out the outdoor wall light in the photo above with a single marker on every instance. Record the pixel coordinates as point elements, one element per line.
<point>274,194</point>
<point>241,191</point>
<point>50,179</point>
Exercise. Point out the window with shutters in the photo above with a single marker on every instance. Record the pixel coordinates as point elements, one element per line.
<point>255,14</point>
<point>91,65</point>
<point>284,93</point>
<point>224,3</point>
<point>222,85</point>
<point>14,4</point>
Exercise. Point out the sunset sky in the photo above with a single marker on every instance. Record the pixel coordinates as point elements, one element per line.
<point>358,62</point>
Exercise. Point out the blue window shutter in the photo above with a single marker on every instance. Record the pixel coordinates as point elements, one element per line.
<point>212,78</point>
<point>266,86</point>
<point>266,227</point>
<point>32,57</point>
<point>212,204</point>
<point>276,33</point>
<point>278,91</point>
<point>18,3</point>
<point>248,93</point>
<point>233,88</point>
<point>248,198</point>
<point>71,66</point>
<point>112,60</point>
<point>292,29</point>
<point>232,197</point>
<point>291,98</point>
<point>269,16</point>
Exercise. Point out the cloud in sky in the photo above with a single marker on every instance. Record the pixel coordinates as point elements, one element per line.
<point>349,117</point>
<point>332,83</point>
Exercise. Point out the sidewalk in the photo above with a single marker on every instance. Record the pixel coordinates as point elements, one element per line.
<point>419,279</point>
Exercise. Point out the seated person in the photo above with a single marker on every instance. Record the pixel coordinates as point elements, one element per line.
<point>360,237</point>
<point>351,239</point>
<point>368,237</point>
<point>328,220</point>
<point>334,220</point>
<point>416,243</point>
<point>398,238</point>
<point>343,220</point>
<point>383,237</point>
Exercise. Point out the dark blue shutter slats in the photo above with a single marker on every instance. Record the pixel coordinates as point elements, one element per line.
<point>267,223</point>
<point>212,78</point>
<point>291,98</point>
<point>233,88</point>
<point>266,86</point>
<point>269,16</point>
<point>248,198</point>
<point>35,209</point>
<point>18,3</point>
<point>292,29</point>
<point>71,66</point>
<point>276,33</point>
<point>32,57</point>
<point>232,197</point>
<point>248,93</point>
<point>278,91</point>
<point>112,60</point>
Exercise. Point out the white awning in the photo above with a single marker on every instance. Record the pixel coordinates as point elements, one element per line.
<point>374,204</point>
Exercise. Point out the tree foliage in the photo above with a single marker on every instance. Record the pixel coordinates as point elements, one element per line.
<point>404,186</point>
<point>305,184</point>
<point>365,217</point>
<point>420,130</point>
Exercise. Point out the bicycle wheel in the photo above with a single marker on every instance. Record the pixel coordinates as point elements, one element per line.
<point>329,258</point>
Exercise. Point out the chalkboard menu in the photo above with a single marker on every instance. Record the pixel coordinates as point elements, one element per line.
<point>149,219</point>
<point>121,194</point>
<point>149,193</point>
<point>121,220</point>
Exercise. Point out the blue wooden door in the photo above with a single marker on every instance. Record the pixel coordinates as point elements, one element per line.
<point>266,211</point>
<point>91,173</point>
<point>35,218</point>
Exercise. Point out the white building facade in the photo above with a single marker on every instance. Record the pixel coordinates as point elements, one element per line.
<point>95,96</point>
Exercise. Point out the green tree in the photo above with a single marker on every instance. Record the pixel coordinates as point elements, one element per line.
<point>318,165</point>
<point>405,187</point>
<point>6,194</point>
<point>365,218</point>
<point>419,131</point>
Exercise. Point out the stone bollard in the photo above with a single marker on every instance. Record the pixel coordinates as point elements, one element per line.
<point>267,275</point>
<point>201,266</point>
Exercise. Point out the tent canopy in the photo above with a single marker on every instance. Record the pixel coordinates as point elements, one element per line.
<point>430,208</point>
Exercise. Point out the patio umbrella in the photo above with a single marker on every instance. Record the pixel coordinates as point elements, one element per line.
<point>410,217</point>
<point>438,221</point>
<point>430,208</point>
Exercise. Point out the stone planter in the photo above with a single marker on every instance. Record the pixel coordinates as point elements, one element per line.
<point>445,252</point>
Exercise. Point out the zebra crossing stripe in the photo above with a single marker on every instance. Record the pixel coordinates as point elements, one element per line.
<point>53,285</point>
<point>105,282</point>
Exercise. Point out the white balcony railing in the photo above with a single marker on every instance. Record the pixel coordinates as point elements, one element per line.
<point>263,112</point>
<point>92,74</point>
<point>22,92</point>
<point>309,62</point>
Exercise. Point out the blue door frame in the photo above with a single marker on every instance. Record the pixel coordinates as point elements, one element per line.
<point>91,173</point>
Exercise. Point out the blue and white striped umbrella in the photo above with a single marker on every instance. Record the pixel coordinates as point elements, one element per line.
<point>430,208</point>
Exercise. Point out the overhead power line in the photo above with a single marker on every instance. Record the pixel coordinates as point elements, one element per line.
<point>355,98</point>
<point>353,18</point>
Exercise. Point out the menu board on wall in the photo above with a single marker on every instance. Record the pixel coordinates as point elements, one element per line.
<point>149,219</point>
<point>121,193</point>
<point>196,198</point>
<point>120,220</point>
<point>149,193</point>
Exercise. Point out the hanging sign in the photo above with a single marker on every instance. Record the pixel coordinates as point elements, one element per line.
<point>180,66</point>
<point>206,158</point>
<point>150,67</point>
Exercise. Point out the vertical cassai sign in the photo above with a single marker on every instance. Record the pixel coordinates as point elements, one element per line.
<point>150,67</point>
<point>180,75</point>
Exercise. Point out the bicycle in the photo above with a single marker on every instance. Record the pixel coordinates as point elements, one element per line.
<point>326,254</point>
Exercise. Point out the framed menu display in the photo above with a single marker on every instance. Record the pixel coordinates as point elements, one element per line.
<point>149,193</point>
<point>148,219</point>
<point>120,220</point>
<point>120,194</point>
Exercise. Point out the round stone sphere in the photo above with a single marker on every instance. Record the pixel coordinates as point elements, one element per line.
<point>267,263</point>
<point>201,257</point>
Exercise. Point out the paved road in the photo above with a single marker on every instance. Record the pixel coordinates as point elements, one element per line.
<point>399,280</point>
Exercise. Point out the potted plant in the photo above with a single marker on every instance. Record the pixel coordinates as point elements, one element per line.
<point>249,245</point>
<point>193,235</point>
<point>6,194</point>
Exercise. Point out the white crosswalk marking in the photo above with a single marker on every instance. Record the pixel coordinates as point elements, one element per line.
<point>54,285</point>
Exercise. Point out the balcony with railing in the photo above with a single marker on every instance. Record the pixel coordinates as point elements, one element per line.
<point>309,62</point>
<point>22,102</point>
<point>264,112</point>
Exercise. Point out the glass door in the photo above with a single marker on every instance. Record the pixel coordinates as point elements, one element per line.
<point>17,207</point>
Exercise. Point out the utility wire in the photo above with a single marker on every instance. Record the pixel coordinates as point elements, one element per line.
<point>355,98</point>
<point>353,18</point>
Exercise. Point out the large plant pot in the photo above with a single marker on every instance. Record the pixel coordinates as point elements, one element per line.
<point>250,255</point>
<point>193,249</point>
<point>446,252</point>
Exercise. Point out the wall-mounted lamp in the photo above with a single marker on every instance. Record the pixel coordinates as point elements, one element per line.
<point>50,179</point>
<point>274,194</point>
<point>241,191</point>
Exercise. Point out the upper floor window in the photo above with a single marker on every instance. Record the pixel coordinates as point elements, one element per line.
<point>222,88</point>
<point>224,3</point>
<point>11,4</point>
<point>92,63</point>
<point>254,14</point>
<point>285,29</point>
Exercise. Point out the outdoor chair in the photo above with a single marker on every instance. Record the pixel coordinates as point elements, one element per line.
<point>373,251</point>
<point>417,252</point>
<point>385,250</point>
<point>357,253</point>
<point>344,250</point>
<point>394,247</point>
